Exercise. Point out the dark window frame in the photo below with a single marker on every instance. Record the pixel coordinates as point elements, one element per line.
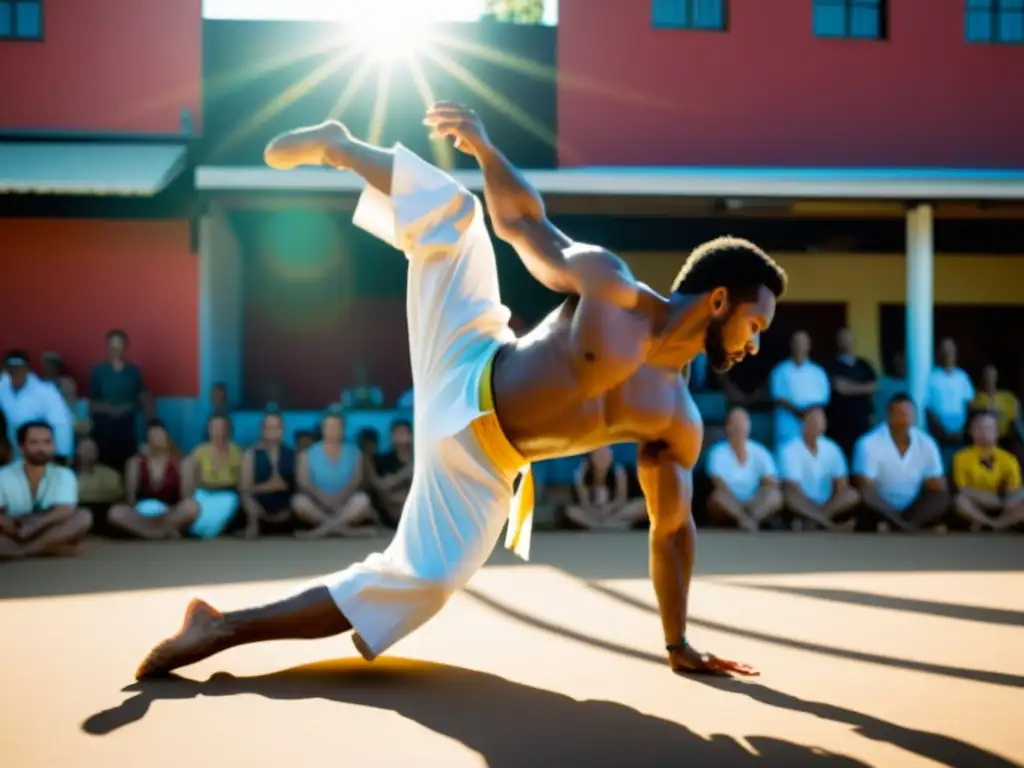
<point>849,6</point>
<point>688,22</point>
<point>13,36</point>
<point>996,10</point>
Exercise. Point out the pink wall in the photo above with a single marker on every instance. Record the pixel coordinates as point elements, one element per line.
<point>106,65</point>
<point>768,92</point>
<point>65,283</point>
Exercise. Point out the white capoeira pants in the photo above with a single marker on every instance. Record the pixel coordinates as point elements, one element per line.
<point>460,496</point>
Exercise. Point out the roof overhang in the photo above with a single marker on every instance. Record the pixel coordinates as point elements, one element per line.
<point>723,183</point>
<point>89,168</point>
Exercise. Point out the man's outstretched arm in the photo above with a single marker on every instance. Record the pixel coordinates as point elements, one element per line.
<point>668,488</point>
<point>518,217</point>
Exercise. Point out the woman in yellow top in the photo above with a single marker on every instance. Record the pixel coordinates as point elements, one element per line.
<point>987,479</point>
<point>213,470</point>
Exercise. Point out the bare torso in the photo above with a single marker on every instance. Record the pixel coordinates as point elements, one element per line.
<point>550,404</point>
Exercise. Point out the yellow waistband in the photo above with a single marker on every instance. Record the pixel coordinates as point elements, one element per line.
<point>488,429</point>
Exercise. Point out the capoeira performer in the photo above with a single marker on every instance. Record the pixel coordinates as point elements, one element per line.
<point>603,368</point>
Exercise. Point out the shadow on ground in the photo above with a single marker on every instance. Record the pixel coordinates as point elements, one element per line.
<point>976,613</point>
<point>117,567</point>
<point>942,749</point>
<point>511,725</point>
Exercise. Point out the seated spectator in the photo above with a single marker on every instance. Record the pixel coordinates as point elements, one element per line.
<point>268,482</point>
<point>987,479</point>
<point>601,495</point>
<point>116,397</point>
<point>1004,404</point>
<point>26,398</point>
<point>213,470</point>
<point>304,440</point>
<point>39,512</point>
<point>949,392</point>
<point>153,492</point>
<point>816,484</point>
<point>365,395</point>
<point>99,486</point>
<point>78,406</point>
<point>746,489</point>
<point>391,475</point>
<point>329,476</point>
<point>219,400</point>
<point>899,470</point>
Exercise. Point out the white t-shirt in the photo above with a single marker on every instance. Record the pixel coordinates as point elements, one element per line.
<point>949,393</point>
<point>742,479</point>
<point>899,478</point>
<point>802,385</point>
<point>812,473</point>
<point>59,487</point>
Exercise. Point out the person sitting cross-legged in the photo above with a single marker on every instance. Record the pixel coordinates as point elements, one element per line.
<point>268,482</point>
<point>212,473</point>
<point>987,479</point>
<point>39,512</point>
<point>602,495</point>
<point>816,483</point>
<point>746,487</point>
<point>899,470</point>
<point>329,476</point>
<point>153,491</point>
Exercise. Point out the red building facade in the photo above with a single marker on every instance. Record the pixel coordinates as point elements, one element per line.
<point>766,91</point>
<point>103,70</point>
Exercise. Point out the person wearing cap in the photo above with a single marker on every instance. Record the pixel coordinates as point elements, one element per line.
<point>24,397</point>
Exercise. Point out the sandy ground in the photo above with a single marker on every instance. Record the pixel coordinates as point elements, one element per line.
<point>881,651</point>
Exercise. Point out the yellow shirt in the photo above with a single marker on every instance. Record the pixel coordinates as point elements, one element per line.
<point>1003,403</point>
<point>215,472</point>
<point>100,486</point>
<point>969,471</point>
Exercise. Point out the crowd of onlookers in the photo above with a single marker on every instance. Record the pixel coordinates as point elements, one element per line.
<point>847,451</point>
<point>844,453</point>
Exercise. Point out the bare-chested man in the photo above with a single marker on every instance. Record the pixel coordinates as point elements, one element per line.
<point>602,368</point>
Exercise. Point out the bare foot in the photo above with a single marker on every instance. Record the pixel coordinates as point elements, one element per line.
<point>312,145</point>
<point>200,636</point>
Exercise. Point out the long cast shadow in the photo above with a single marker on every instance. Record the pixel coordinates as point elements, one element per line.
<point>929,607</point>
<point>963,673</point>
<point>942,749</point>
<point>511,725</point>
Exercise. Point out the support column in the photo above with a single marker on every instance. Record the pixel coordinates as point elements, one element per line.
<point>220,309</point>
<point>920,303</point>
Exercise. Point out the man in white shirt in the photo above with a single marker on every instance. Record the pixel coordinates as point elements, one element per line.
<point>24,397</point>
<point>746,488</point>
<point>816,485</point>
<point>899,469</point>
<point>950,391</point>
<point>39,513</point>
<point>797,385</point>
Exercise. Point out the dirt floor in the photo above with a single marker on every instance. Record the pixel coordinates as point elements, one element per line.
<point>880,651</point>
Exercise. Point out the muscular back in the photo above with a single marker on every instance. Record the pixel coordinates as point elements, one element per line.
<point>579,380</point>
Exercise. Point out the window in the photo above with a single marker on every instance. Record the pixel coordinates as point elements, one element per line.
<point>21,20</point>
<point>689,14</point>
<point>995,21</point>
<point>860,19</point>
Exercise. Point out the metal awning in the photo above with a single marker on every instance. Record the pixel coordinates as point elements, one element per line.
<point>86,168</point>
<point>789,183</point>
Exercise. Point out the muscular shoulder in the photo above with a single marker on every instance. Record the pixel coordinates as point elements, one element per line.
<point>681,439</point>
<point>602,274</point>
